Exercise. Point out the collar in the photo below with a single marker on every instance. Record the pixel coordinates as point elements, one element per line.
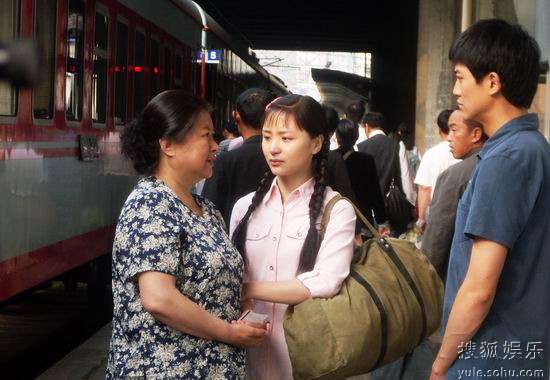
<point>376,132</point>
<point>527,122</point>
<point>253,139</point>
<point>474,151</point>
<point>303,192</point>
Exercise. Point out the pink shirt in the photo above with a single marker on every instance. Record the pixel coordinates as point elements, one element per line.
<point>275,236</point>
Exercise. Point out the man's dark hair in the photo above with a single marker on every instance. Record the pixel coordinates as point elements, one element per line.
<point>251,106</point>
<point>332,118</point>
<point>508,50</point>
<point>375,120</point>
<point>443,121</point>
<point>355,111</point>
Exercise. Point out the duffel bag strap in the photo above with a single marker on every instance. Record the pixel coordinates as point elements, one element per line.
<point>326,217</point>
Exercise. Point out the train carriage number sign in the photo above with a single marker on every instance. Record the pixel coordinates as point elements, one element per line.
<point>212,56</point>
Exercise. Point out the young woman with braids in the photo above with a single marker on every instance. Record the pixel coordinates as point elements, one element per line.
<point>176,276</point>
<point>276,227</point>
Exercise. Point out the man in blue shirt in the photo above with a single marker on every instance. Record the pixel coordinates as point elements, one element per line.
<point>497,302</point>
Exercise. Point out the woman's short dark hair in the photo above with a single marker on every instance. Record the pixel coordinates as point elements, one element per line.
<point>347,133</point>
<point>310,117</point>
<point>406,135</point>
<point>356,110</point>
<point>443,121</point>
<point>169,115</point>
<point>332,118</point>
<point>232,128</point>
<point>508,50</point>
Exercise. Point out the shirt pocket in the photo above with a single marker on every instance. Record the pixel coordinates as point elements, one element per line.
<point>298,232</point>
<point>258,232</point>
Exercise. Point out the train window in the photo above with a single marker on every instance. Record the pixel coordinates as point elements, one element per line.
<point>9,26</point>
<point>99,76</point>
<point>44,32</point>
<point>121,74</point>
<point>167,67</point>
<point>177,70</point>
<point>154,65</point>
<point>139,72</point>
<point>75,60</point>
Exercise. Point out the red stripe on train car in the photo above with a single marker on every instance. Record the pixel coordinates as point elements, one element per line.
<point>32,268</point>
<point>36,154</point>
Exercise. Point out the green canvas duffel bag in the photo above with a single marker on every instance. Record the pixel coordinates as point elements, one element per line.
<point>391,301</point>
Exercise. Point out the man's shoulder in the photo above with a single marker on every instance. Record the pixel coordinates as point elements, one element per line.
<point>466,165</point>
<point>245,150</point>
<point>524,144</point>
<point>460,172</point>
<point>374,141</point>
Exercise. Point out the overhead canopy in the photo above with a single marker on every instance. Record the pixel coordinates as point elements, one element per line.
<point>344,25</point>
<point>387,29</point>
<point>337,88</point>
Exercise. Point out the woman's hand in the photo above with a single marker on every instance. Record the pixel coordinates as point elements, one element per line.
<point>243,334</point>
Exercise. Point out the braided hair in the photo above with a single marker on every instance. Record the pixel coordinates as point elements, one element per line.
<point>309,116</point>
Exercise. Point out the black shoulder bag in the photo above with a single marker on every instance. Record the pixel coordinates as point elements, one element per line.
<point>398,208</point>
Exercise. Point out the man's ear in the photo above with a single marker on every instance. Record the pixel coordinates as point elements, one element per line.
<point>477,135</point>
<point>493,82</point>
<point>236,116</point>
<point>167,147</point>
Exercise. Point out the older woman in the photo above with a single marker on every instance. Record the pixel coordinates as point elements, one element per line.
<point>176,276</point>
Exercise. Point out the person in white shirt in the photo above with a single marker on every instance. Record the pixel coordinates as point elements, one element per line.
<point>434,162</point>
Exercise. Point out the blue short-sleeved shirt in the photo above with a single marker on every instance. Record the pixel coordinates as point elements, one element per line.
<point>157,232</point>
<point>507,201</point>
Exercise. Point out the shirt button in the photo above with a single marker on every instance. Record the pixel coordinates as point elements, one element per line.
<point>274,238</point>
<point>257,235</point>
<point>299,234</point>
<point>270,267</point>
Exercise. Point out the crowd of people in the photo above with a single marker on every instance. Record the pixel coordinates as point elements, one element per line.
<point>211,231</point>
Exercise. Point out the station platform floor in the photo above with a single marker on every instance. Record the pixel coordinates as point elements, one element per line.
<point>89,360</point>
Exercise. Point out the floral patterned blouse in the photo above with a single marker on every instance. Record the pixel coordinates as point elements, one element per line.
<point>157,232</point>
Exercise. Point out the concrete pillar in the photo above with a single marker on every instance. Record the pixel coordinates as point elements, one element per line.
<point>503,9</point>
<point>542,34</point>
<point>467,14</point>
<point>439,23</point>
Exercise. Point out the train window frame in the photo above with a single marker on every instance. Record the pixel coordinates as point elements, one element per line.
<point>104,54</point>
<point>139,29</point>
<point>170,80</point>
<point>50,120</point>
<point>69,122</point>
<point>155,38</point>
<point>178,82</point>
<point>12,119</point>
<point>122,20</point>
